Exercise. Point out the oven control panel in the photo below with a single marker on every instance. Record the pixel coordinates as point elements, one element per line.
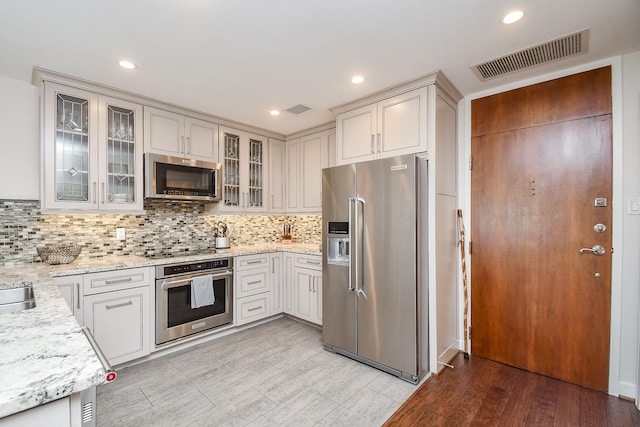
<point>176,269</point>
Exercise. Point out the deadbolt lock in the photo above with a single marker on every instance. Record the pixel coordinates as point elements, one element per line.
<point>599,228</point>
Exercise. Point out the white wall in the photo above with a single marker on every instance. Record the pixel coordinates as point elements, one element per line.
<point>624,368</point>
<point>20,140</point>
<point>630,253</point>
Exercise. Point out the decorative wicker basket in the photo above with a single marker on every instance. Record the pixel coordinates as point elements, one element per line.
<point>59,254</point>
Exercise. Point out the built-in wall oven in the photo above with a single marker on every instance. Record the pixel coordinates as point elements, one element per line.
<point>176,316</point>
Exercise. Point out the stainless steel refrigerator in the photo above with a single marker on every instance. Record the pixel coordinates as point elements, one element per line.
<point>375,278</point>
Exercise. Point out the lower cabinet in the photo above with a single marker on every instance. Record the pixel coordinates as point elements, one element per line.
<point>276,281</point>
<point>61,412</point>
<point>119,322</point>
<point>252,288</point>
<point>307,291</point>
<point>288,281</point>
<point>71,289</point>
<point>115,306</point>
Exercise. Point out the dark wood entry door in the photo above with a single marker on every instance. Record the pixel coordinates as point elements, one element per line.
<point>537,302</point>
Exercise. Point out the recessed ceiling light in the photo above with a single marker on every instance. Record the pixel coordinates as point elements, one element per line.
<point>275,112</point>
<point>512,17</point>
<point>357,80</point>
<point>128,65</point>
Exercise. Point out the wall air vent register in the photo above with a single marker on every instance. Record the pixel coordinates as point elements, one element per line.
<point>554,50</point>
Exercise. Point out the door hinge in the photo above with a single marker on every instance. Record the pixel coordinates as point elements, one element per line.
<point>470,162</point>
<point>470,245</point>
<point>469,333</point>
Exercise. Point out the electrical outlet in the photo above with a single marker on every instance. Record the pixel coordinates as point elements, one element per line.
<point>120,234</point>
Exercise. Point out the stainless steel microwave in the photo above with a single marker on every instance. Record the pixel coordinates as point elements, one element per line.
<point>177,178</point>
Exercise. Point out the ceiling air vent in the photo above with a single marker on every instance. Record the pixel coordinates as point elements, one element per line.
<point>298,109</point>
<point>553,50</point>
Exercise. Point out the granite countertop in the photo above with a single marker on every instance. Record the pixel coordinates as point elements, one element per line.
<point>44,355</point>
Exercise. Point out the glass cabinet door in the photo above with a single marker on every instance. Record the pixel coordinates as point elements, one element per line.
<point>231,170</point>
<point>71,148</point>
<point>90,152</point>
<point>121,155</point>
<point>256,173</point>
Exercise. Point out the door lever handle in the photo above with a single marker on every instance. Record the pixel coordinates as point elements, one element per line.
<point>596,250</point>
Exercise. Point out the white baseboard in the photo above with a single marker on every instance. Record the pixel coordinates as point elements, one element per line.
<point>627,391</point>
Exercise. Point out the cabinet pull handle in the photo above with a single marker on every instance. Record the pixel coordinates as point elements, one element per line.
<point>254,282</point>
<point>122,304</point>
<point>103,192</point>
<point>312,262</point>
<point>95,189</point>
<point>310,279</point>
<point>255,308</point>
<point>116,281</point>
<point>373,144</point>
<point>78,295</point>
<point>244,201</point>
<point>272,200</point>
<point>184,152</point>
<point>379,143</point>
<point>273,266</point>
<point>257,261</point>
<point>188,145</point>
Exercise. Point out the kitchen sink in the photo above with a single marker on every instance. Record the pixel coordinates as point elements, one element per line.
<point>13,300</point>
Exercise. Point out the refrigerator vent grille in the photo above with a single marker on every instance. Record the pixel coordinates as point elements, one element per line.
<point>554,50</point>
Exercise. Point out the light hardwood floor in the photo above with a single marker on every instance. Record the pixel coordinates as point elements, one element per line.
<point>275,374</point>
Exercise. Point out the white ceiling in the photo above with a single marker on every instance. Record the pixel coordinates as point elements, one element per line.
<point>238,59</point>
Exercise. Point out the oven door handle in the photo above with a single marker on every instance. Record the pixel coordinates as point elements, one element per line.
<point>184,282</point>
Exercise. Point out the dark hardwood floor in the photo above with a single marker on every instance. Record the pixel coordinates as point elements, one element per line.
<point>481,392</point>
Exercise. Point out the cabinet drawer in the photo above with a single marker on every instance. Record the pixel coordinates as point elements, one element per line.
<point>248,262</point>
<point>252,282</point>
<point>313,262</point>
<point>253,308</point>
<point>95,283</point>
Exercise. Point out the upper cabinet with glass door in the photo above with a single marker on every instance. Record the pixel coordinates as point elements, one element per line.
<point>244,167</point>
<point>92,152</point>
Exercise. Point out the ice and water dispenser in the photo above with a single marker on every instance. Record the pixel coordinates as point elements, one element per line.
<point>338,243</point>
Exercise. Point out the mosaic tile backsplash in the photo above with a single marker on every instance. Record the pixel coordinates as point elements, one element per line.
<point>165,229</point>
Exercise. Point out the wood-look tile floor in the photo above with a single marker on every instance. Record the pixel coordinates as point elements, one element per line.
<point>480,392</point>
<point>275,374</point>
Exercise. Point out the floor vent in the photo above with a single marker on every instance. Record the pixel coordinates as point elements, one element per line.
<point>563,47</point>
<point>298,109</point>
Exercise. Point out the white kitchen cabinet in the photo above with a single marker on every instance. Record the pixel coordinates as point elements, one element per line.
<point>119,322</point>
<point>115,280</point>
<point>288,281</point>
<point>71,289</point>
<point>308,288</point>
<point>174,134</point>
<point>61,412</point>
<point>306,157</point>
<point>92,152</point>
<point>391,127</point>
<point>251,277</point>
<point>116,308</point>
<point>277,186</point>
<point>293,175</point>
<point>252,308</point>
<point>244,158</point>
<point>276,280</point>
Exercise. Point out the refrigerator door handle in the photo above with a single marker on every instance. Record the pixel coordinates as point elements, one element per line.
<point>359,282</point>
<point>351,203</point>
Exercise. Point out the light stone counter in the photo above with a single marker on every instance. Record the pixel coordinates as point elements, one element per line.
<point>44,355</point>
